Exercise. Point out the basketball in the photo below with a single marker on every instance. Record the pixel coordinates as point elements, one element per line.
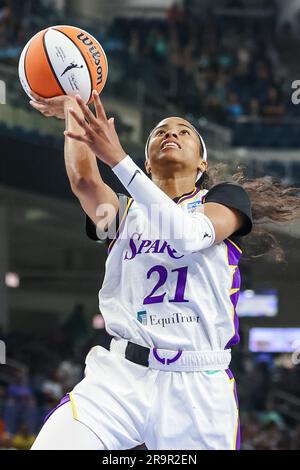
<point>63,60</point>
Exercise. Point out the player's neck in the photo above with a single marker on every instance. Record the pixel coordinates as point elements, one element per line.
<point>174,187</point>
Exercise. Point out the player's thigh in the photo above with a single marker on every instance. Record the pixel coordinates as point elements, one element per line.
<point>114,398</point>
<point>62,432</point>
<point>194,410</point>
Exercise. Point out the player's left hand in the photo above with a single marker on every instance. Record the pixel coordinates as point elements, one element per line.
<point>99,132</point>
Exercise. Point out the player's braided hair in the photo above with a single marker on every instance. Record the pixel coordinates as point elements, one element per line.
<point>271,201</point>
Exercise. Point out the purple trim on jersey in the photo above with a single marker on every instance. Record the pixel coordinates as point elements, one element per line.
<point>120,228</point>
<point>229,373</point>
<point>189,197</point>
<point>64,400</point>
<point>234,256</point>
<point>238,435</point>
<point>236,282</point>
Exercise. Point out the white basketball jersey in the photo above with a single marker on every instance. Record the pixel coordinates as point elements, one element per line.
<point>153,296</point>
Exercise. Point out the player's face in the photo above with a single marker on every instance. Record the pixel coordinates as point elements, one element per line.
<point>174,141</point>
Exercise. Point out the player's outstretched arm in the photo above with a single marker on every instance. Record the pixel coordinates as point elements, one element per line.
<point>84,175</point>
<point>81,162</point>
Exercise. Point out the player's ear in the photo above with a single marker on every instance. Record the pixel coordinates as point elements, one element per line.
<point>203,166</point>
<point>147,167</point>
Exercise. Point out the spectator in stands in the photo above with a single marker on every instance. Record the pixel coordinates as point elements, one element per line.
<point>23,439</point>
<point>30,414</point>
<point>6,441</point>
<point>19,20</point>
<point>269,437</point>
<point>156,45</point>
<point>2,427</point>
<point>259,383</point>
<point>52,388</point>
<point>2,398</point>
<point>214,109</point>
<point>240,81</point>
<point>254,109</point>
<point>243,55</point>
<point>175,14</point>
<point>225,58</point>
<point>262,81</point>
<point>219,88</point>
<point>69,373</point>
<point>5,11</point>
<point>273,107</point>
<point>11,412</point>
<point>5,15</point>
<point>249,429</point>
<point>234,107</point>
<point>134,45</point>
<point>270,413</point>
<point>19,387</point>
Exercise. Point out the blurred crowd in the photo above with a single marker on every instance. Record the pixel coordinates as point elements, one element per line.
<point>222,67</point>
<point>268,386</point>
<point>19,19</point>
<point>42,369</point>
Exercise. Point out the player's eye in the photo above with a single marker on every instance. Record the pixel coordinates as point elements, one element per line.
<point>185,131</point>
<point>159,132</point>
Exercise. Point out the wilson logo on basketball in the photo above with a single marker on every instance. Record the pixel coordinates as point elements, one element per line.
<point>95,54</point>
<point>63,60</point>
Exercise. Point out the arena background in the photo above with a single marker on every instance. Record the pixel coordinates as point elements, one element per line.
<point>231,68</point>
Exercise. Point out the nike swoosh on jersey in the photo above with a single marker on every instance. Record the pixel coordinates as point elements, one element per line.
<point>206,235</point>
<point>135,173</point>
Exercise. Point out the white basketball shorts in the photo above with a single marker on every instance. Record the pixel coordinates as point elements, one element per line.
<point>126,404</point>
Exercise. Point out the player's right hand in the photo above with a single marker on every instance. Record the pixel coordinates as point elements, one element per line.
<point>50,107</point>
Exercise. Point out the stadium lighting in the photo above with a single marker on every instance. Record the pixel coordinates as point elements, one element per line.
<point>98,322</point>
<point>12,280</point>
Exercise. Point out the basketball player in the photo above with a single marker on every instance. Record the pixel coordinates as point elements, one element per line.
<point>168,297</point>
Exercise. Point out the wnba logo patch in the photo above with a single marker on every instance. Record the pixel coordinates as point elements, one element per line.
<point>193,205</point>
<point>142,317</point>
